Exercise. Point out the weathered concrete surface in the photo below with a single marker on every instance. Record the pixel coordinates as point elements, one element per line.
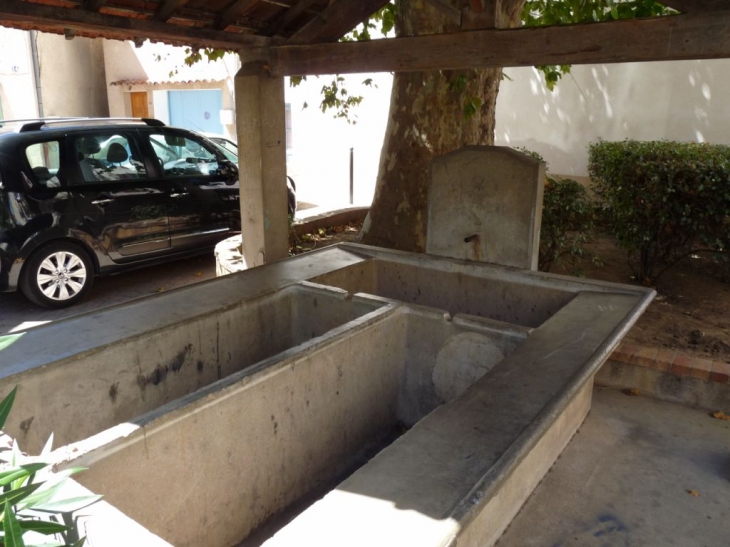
<point>626,478</point>
<point>279,429</point>
<point>666,386</point>
<point>125,360</point>
<point>268,397</point>
<point>485,204</point>
<point>211,467</point>
<point>105,526</point>
<point>512,296</point>
<point>261,130</point>
<point>445,472</point>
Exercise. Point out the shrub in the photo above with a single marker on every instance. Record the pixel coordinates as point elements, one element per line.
<point>665,200</point>
<point>568,219</point>
<point>567,222</point>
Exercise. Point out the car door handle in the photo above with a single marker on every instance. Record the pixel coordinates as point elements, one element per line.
<point>102,202</point>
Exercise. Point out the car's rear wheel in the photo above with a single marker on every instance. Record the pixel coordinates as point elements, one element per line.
<point>57,275</point>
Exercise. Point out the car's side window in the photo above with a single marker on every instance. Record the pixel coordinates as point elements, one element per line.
<point>108,158</point>
<point>45,160</point>
<point>183,156</point>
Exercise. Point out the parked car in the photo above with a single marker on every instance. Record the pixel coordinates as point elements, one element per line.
<point>87,197</point>
<point>230,149</point>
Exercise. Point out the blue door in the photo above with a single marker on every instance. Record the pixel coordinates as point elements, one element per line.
<point>197,109</point>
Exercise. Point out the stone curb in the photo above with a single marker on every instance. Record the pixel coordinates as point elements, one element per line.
<point>330,218</point>
<point>670,361</point>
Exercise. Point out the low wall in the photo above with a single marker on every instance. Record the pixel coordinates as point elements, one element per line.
<point>137,374</point>
<point>239,403</point>
<point>269,435</point>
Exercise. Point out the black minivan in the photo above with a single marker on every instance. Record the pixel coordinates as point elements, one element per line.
<point>80,198</point>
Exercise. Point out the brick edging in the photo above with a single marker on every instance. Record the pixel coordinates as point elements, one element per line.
<point>667,360</point>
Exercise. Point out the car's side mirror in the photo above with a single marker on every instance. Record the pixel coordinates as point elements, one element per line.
<point>229,171</point>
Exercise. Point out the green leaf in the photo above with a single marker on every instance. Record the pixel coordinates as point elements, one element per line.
<point>43,527</point>
<point>80,542</point>
<point>6,405</point>
<point>68,505</point>
<point>17,473</point>
<point>8,340</point>
<point>13,533</point>
<point>19,494</point>
<point>47,448</point>
<point>49,488</point>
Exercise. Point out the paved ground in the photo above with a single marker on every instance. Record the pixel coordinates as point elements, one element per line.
<point>16,313</point>
<point>639,473</point>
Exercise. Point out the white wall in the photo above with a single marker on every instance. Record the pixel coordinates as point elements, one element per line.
<point>17,84</point>
<point>680,100</point>
<point>72,76</point>
<point>320,158</point>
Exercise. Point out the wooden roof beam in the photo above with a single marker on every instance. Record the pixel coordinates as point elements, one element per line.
<point>696,6</point>
<point>93,5</point>
<point>701,36</point>
<point>337,19</point>
<point>281,22</point>
<point>123,28</point>
<point>167,8</point>
<point>232,12</point>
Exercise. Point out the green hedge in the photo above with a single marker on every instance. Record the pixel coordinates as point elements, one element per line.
<point>664,200</point>
<point>567,219</point>
<point>567,222</point>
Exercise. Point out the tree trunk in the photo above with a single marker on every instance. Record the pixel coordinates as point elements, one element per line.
<point>431,114</point>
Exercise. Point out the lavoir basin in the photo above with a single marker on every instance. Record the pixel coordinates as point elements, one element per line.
<point>348,396</point>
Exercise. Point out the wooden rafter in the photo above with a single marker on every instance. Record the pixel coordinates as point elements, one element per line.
<point>169,7</point>
<point>339,18</point>
<point>124,28</point>
<point>701,36</point>
<point>232,12</point>
<point>93,5</point>
<point>281,22</point>
<point>696,6</point>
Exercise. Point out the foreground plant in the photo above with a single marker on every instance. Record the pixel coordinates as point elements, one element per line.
<point>34,509</point>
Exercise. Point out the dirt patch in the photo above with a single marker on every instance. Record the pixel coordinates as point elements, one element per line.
<point>323,237</point>
<point>690,314</point>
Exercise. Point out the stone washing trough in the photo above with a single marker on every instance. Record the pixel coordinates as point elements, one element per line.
<point>357,395</point>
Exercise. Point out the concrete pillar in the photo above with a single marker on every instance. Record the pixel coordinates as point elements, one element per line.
<point>261,128</point>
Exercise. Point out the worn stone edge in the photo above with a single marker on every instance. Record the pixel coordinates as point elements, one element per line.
<point>330,218</point>
<point>672,362</point>
<point>664,360</point>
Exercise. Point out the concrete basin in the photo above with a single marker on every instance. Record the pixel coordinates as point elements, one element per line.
<point>417,399</point>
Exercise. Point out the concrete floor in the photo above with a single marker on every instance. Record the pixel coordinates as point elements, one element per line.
<point>625,481</point>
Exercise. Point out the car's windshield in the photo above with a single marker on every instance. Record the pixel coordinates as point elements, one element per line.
<point>229,149</point>
<point>163,151</point>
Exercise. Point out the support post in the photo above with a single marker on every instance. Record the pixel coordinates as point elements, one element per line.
<point>261,129</point>
<point>352,176</point>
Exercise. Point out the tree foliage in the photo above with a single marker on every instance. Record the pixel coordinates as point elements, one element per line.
<point>535,13</point>
<point>567,12</point>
